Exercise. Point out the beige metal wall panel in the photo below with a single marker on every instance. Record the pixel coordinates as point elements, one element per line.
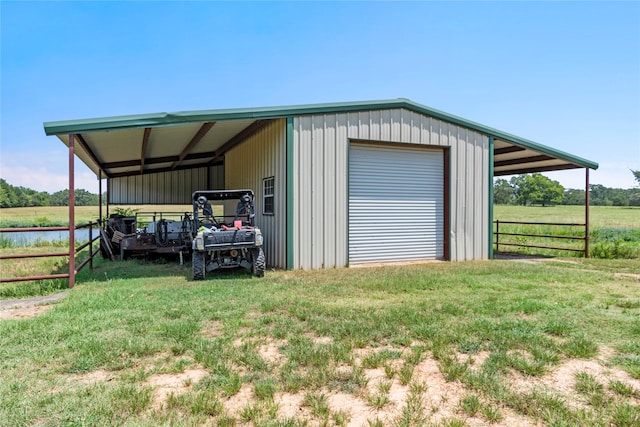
<point>174,187</point>
<point>320,180</point>
<point>320,155</point>
<point>261,156</point>
<point>216,178</point>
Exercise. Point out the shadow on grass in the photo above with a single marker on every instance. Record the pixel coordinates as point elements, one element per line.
<point>150,267</point>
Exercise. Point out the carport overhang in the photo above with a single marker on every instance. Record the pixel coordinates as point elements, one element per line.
<point>148,143</point>
<point>151,143</point>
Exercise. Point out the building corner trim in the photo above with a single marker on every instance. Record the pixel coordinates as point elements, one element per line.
<point>490,201</point>
<point>290,198</point>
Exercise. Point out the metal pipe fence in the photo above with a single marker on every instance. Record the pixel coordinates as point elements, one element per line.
<point>573,229</point>
<point>89,260</point>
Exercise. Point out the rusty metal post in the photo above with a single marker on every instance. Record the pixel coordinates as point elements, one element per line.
<point>107,200</point>
<point>91,245</point>
<point>99,196</point>
<point>72,220</point>
<point>586,214</point>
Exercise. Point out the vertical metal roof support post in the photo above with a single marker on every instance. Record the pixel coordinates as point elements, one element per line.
<point>290,198</point>
<point>72,221</point>
<point>490,201</point>
<point>100,197</point>
<point>107,200</point>
<point>586,214</point>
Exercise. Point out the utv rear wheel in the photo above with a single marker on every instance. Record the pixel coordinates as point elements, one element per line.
<point>258,263</point>
<point>198,265</point>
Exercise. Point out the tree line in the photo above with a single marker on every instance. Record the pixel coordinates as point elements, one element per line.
<point>537,189</point>
<point>18,197</point>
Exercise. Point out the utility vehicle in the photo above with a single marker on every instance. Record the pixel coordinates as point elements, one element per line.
<point>221,240</point>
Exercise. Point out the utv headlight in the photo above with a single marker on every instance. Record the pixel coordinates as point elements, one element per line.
<point>258,238</point>
<point>198,243</point>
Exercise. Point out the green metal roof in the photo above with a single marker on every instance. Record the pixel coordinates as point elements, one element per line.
<point>185,117</point>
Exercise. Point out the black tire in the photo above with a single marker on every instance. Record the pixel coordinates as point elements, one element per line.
<point>258,263</point>
<point>198,265</point>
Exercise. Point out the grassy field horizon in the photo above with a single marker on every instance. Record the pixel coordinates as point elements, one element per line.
<point>600,216</point>
<point>30,216</point>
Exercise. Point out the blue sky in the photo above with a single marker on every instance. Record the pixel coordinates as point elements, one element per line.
<point>565,75</point>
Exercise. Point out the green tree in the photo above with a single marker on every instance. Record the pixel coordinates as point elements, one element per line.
<point>516,184</point>
<point>60,198</point>
<point>4,197</point>
<point>573,197</point>
<point>82,198</point>
<point>636,175</point>
<point>503,192</point>
<point>600,195</point>
<point>619,197</point>
<point>85,198</point>
<point>538,189</point>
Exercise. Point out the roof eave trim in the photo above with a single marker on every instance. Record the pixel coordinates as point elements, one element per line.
<point>184,117</point>
<point>498,134</point>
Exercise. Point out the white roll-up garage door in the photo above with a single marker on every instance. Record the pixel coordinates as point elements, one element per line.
<point>396,203</point>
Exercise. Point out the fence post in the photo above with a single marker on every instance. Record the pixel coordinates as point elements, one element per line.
<point>586,215</point>
<point>72,222</point>
<point>497,235</point>
<point>91,245</point>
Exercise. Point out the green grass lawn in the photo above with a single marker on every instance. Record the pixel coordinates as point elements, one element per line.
<point>438,344</point>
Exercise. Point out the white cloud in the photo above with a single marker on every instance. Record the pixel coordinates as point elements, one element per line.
<point>612,175</point>
<point>42,179</point>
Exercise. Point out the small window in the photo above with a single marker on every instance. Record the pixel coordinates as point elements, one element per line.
<point>267,195</point>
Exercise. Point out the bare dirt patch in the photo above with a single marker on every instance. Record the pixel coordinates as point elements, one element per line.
<point>24,313</point>
<point>270,352</point>
<point>441,396</point>
<point>92,377</point>
<point>475,361</point>
<point>28,307</point>
<point>624,275</point>
<point>240,400</point>
<point>360,353</point>
<point>291,405</point>
<point>358,411</point>
<point>212,330</point>
<point>563,378</point>
<point>176,384</point>
<point>319,340</point>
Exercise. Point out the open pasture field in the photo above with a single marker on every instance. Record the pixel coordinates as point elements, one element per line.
<point>614,231</point>
<point>494,343</point>
<point>600,216</point>
<point>59,215</point>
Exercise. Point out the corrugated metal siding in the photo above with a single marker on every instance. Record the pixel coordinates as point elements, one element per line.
<point>164,188</point>
<point>261,156</point>
<point>321,150</point>
<point>396,203</point>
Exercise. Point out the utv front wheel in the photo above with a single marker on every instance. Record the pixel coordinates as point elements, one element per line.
<point>198,265</point>
<point>258,263</point>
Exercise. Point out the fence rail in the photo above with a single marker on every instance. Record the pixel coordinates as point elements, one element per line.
<point>584,238</point>
<point>89,260</point>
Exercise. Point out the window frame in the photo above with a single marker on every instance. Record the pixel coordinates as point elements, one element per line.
<point>265,186</point>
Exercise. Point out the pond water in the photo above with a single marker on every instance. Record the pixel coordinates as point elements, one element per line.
<point>28,238</point>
